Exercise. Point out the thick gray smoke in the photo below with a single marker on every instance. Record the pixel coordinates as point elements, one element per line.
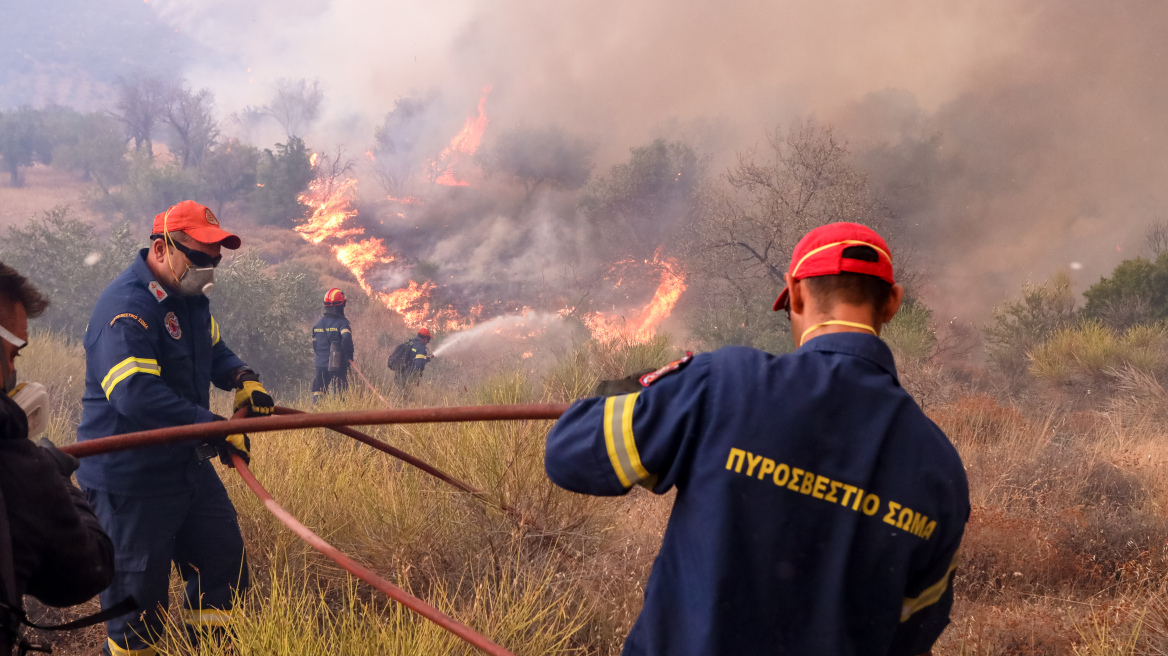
<point>1015,136</point>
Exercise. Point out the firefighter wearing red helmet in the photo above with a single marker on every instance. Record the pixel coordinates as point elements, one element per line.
<point>409,360</point>
<point>332,346</point>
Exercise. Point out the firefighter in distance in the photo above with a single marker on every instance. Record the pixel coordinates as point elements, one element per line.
<point>409,360</point>
<point>332,346</point>
<point>152,352</point>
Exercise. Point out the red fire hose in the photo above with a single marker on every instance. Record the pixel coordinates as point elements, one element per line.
<point>289,419</point>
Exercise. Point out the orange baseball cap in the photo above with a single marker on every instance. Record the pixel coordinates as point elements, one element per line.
<point>425,332</point>
<point>821,253</point>
<point>196,220</point>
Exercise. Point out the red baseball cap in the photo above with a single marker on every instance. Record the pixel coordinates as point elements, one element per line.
<point>821,253</point>
<point>425,332</point>
<point>198,221</point>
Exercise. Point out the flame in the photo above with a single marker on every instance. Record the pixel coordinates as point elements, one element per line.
<point>331,203</point>
<point>465,143</point>
<point>312,159</point>
<point>405,200</point>
<point>642,326</point>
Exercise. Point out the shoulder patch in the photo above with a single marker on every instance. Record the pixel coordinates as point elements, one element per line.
<point>127,315</point>
<point>677,365</point>
<point>157,291</point>
<point>172,326</point>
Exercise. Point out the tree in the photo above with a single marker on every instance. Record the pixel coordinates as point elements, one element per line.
<point>296,104</point>
<point>140,105</point>
<point>282,176</point>
<point>188,113</point>
<point>1136,293</point>
<point>150,189</point>
<point>748,228</point>
<point>24,141</point>
<point>248,120</point>
<point>229,172</point>
<point>537,156</point>
<point>93,144</point>
<point>404,141</point>
<point>640,203</point>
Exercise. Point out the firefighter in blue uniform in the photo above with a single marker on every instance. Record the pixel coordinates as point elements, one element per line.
<point>152,351</point>
<point>818,510</point>
<point>417,356</point>
<point>332,346</point>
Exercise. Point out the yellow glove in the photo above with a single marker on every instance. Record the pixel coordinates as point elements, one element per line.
<point>252,394</point>
<point>239,444</point>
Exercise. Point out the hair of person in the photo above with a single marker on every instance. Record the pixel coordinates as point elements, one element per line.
<point>15,288</point>
<point>851,288</point>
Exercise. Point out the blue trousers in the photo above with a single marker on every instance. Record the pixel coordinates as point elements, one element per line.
<point>198,531</point>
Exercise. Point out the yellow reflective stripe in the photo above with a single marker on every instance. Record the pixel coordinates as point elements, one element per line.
<point>207,617</point>
<point>795,271</point>
<point>122,651</point>
<point>618,439</point>
<point>346,330</point>
<point>214,331</point>
<point>421,357</point>
<point>930,595</point>
<point>126,368</point>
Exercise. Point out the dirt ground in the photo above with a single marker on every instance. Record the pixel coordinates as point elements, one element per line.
<point>44,188</point>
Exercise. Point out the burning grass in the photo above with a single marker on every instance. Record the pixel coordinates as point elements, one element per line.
<point>1065,552</point>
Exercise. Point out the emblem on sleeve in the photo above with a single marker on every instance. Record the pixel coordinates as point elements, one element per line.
<point>157,290</point>
<point>172,327</point>
<point>652,377</point>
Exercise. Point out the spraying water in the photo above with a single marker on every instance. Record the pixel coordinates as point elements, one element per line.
<point>527,324</point>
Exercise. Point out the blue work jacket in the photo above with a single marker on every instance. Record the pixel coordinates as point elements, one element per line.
<point>150,359</point>
<point>332,328</point>
<point>818,510</point>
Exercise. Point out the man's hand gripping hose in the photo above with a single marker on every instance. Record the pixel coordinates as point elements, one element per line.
<point>287,418</point>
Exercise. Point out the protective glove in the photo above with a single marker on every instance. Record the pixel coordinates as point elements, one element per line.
<point>626,385</point>
<point>66,464</point>
<point>238,444</point>
<point>252,394</point>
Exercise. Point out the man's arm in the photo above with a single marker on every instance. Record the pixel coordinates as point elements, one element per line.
<point>58,545</point>
<point>125,358</point>
<point>605,445</point>
<point>929,598</point>
<point>225,365</point>
<point>347,349</point>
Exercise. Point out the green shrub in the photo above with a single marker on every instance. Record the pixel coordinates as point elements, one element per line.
<point>1091,349</point>
<point>151,189</point>
<point>910,334</point>
<point>263,316</point>
<point>1020,325</point>
<point>67,260</point>
<point>1136,293</point>
<point>282,176</point>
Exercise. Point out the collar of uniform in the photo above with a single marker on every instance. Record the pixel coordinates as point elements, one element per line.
<point>142,270</point>
<point>860,345</point>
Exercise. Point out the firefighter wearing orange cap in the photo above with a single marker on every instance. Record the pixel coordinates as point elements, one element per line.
<point>152,352</point>
<point>332,346</point>
<point>408,361</point>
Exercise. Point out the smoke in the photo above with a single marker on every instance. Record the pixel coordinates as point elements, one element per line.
<point>1012,136</point>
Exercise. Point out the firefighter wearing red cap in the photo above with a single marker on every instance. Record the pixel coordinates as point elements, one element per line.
<point>152,352</point>
<point>332,346</point>
<point>818,510</point>
<point>408,361</point>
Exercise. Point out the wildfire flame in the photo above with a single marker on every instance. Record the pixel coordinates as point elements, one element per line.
<point>642,325</point>
<point>465,143</point>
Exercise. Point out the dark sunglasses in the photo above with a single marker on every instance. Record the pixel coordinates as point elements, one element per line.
<point>197,258</point>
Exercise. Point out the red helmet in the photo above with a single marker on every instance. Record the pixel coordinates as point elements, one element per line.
<point>334,298</point>
<point>425,332</point>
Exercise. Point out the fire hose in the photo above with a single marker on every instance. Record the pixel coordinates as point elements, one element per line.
<point>287,419</point>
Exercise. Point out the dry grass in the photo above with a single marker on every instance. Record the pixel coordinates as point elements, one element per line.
<point>1065,552</point>
<point>44,187</point>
